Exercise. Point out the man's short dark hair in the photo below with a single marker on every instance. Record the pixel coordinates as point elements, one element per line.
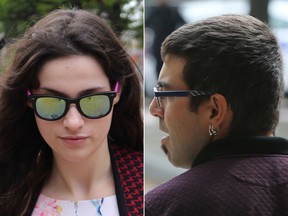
<point>237,56</point>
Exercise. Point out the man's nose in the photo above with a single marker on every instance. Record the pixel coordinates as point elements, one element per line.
<point>155,110</point>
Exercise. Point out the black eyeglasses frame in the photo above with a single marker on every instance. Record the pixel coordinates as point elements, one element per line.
<point>177,93</point>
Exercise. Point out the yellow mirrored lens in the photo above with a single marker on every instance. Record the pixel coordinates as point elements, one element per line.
<point>95,106</point>
<point>50,108</point>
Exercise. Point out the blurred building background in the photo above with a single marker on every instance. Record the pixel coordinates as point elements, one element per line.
<point>274,12</point>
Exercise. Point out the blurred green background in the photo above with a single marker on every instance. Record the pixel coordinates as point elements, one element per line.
<point>124,16</point>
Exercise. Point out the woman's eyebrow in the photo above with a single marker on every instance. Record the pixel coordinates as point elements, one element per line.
<point>52,91</point>
<point>81,93</point>
<point>93,90</point>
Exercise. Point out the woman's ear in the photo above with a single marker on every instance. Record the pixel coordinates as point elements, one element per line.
<point>117,98</point>
<point>29,103</point>
<point>118,89</point>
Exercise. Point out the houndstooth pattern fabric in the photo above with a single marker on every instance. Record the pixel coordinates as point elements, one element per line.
<point>130,170</point>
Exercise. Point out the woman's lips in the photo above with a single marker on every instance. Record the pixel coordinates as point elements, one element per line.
<point>74,140</point>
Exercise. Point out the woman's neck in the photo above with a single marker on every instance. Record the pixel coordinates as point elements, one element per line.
<point>82,180</point>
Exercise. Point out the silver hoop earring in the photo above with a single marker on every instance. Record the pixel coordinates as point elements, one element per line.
<point>212,131</point>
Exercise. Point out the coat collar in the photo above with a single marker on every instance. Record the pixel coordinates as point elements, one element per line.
<point>242,145</point>
<point>127,166</point>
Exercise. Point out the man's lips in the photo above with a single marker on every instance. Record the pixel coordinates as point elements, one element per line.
<point>163,141</point>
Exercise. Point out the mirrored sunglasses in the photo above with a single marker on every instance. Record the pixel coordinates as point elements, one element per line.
<point>92,106</point>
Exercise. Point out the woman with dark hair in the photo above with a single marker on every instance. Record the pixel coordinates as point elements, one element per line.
<point>71,131</point>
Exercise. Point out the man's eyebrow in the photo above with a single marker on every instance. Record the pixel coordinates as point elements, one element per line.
<point>162,84</point>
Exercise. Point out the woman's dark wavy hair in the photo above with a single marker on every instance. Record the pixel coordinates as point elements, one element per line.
<point>25,158</point>
<point>237,56</point>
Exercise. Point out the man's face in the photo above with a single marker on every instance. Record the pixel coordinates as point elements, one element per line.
<point>187,131</point>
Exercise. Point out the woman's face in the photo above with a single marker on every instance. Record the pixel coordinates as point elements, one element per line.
<point>74,137</point>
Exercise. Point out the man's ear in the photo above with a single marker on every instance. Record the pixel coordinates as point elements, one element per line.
<point>220,110</point>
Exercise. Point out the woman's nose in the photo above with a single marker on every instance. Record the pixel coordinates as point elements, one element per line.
<point>73,119</point>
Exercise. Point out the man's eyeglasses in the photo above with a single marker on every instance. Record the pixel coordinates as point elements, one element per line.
<point>178,93</point>
<point>92,106</point>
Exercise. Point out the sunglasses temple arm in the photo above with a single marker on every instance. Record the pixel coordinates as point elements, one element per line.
<point>116,87</point>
